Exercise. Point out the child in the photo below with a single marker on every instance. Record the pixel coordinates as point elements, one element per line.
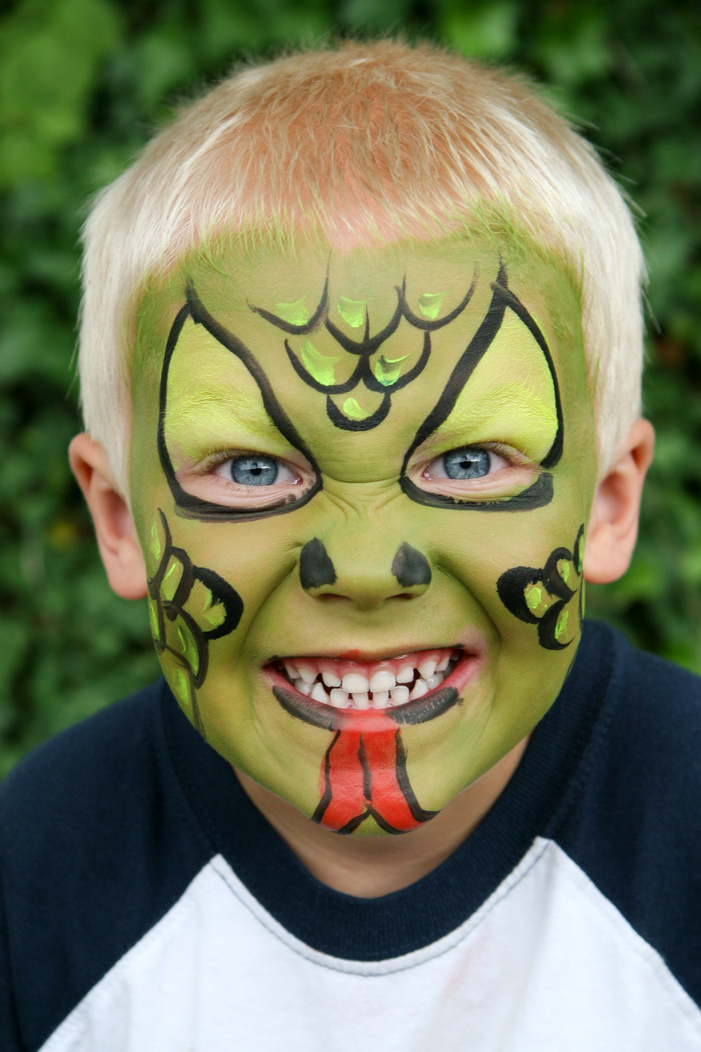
<point>360,361</point>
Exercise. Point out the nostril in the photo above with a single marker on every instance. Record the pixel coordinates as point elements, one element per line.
<point>410,567</point>
<point>315,566</point>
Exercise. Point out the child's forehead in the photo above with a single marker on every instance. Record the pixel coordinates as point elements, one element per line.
<point>370,274</point>
<point>239,282</point>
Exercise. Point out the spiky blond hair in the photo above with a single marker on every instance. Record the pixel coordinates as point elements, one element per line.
<point>363,144</point>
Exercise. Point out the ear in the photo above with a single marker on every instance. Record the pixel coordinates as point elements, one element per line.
<point>613,522</point>
<point>114,527</point>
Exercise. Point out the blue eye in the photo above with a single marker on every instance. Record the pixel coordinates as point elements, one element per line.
<point>467,463</point>
<point>254,471</point>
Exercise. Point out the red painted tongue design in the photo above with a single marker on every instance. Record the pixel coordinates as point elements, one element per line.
<point>364,774</point>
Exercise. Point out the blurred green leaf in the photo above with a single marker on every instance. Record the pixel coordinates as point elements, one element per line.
<point>484,29</point>
<point>50,52</point>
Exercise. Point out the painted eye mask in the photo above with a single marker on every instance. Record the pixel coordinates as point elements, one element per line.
<point>503,384</point>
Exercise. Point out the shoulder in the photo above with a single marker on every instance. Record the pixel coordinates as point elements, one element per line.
<point>633,821</point>
<point>645,754</point>
<point>74,777</point>
<point>97,842</point>
<point>655,726</point>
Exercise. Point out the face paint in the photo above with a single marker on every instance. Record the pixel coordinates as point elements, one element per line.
<point>544,597</point>
<point>315,567</point>
<point>188,606</point>
<point>410,567</point>
<point>382,375</point>
<point>361,677</point>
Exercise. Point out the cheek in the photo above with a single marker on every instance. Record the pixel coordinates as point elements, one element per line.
<point>251,556</point>
<point>522,569</point>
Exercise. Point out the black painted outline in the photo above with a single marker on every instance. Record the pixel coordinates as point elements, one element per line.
<point>410,567</point>
<point>192,507</point>
<point>172,609</point>
<point>316,569</point>
<point>540,492</point>
<point>364,349</point>
<point>512,584</point>
<point>325,716</point>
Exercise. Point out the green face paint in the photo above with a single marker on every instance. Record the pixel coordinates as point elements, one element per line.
<point>446,526</point>
<point>351,311</point>
<point>430,304</point>
<point>319,366</point>
<point>295,313</point>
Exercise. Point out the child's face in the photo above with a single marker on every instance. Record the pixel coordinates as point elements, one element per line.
<point>362,515</point>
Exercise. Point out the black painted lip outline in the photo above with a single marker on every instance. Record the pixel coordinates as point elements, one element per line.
<point>318,714</point>
<point>433,704</point>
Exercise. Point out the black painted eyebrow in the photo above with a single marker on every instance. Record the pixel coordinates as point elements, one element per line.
<point>540,492</point>
<point>188,505</point>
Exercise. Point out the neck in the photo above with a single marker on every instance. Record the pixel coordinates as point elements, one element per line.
<point>368,867</point>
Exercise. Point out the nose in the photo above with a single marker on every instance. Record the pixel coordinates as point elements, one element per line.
<point>366,574</point>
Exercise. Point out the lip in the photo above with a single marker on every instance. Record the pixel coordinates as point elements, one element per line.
<point>421,710</point>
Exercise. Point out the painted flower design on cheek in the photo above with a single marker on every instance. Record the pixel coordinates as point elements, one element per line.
<point>188,606</point>
<point>545,597</point>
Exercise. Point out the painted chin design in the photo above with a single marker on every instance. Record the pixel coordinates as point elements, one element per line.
<point>334,693</point>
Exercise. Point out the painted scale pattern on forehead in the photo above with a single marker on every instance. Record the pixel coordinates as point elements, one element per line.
<point>384,376</point>
<point>538,494</point>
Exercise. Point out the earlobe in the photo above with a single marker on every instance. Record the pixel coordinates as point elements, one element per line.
<point>613,522</point>
<point>114,527</point>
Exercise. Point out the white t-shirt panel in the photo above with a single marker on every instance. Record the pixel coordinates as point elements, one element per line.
<point>547,964</point>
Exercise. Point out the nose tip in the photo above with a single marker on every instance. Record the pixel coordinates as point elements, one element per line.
<point>366,580</point>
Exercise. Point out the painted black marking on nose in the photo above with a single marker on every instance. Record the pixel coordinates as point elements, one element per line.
<point>410,567</point>
<point>315,566</point>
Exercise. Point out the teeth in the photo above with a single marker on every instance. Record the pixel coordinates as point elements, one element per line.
<point>355,683</point>
<point>318,693</point>
<point>380,690</point>
<point>382,680</point>
<point>427,668</point>
<point>419,689</point>
<point>399,695</point>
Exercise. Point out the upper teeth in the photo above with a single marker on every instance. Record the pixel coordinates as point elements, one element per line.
<point>378,689</point>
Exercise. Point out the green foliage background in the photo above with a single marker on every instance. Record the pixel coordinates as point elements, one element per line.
<point>82,83</point>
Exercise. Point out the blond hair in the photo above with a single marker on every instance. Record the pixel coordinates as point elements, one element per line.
<point>363,144</point>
